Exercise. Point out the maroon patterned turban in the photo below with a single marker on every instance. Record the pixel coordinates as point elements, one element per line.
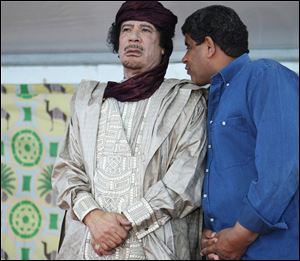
<point>142,86</point>
<point>150,11</point>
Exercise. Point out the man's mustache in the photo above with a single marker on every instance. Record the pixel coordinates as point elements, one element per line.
<point>135,46</point>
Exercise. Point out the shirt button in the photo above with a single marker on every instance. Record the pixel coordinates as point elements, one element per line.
<point>223,123</point>
<point>211,219</point>
<point>205,195</point>
<point>227,84</point>
<point>206,170</point>
<point>209,146</point>
<point>210,122</point>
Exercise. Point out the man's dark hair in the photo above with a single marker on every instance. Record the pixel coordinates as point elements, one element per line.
<point>222,24</point>
<point>166,35</point>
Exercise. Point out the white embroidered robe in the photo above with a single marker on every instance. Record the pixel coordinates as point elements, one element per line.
<point>166,217</point>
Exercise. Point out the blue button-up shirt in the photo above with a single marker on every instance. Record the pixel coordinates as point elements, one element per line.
<point>252,173</point>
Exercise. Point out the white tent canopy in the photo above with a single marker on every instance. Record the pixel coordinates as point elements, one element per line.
<point>67,32</point>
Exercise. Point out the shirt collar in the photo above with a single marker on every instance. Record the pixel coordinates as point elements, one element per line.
<point>230,71</point>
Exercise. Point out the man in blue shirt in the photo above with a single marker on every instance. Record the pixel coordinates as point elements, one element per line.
<point>251,188</point>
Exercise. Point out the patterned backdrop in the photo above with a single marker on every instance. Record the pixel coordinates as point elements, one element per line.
<point>33,120</point>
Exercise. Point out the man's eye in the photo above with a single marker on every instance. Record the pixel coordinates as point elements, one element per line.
<point>146,30</point>
<point>125,29</point>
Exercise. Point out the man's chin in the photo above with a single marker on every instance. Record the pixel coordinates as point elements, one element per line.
<point>132,65</point>
<point>195,80</point>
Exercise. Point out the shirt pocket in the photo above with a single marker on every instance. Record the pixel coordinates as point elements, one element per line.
<point>232,142</point>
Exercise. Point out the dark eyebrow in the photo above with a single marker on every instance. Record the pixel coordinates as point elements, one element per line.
<point>152,28</point>
<point>130,25</point>
<point>148,26</point>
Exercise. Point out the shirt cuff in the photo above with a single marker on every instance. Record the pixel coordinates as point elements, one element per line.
<point>142,217</point>
<point>85,204</point>
<point>250,219</point>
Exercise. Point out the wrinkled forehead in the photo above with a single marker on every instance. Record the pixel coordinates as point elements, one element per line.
<point>133,23</point>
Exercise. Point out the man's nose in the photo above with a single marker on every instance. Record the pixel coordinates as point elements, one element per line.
<point>184,59</point>
<point>134,36</point>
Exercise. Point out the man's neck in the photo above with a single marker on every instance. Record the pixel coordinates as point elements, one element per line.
<point>129,73</point>
<point>221,61</point>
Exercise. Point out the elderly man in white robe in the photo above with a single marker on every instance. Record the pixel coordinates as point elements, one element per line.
<point>130,169</point>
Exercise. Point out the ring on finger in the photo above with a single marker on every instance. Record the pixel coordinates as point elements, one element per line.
<point>97,246</point>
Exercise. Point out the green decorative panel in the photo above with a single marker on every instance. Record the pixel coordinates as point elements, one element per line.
<point>25,253</point>
<point>8,180</point>
<point>27,114</point>
<point>31,130</point>
<point>25,219</point>
<point>53,221</point>
<point>26,183</point>
<point>27,148</point>
<point>53,149</point>
<point>24,89</point>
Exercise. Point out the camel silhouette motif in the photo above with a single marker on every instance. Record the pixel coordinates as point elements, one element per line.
<point>3,89</point>
<point>49,256</point>
<point>55,114</point>
<point>5,115</point>
<point>55,88</point>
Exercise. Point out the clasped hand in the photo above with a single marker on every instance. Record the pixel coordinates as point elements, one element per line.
<point>228,244</point>
<point>108,230</point>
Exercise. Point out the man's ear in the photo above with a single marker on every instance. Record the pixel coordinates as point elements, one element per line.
<point>211,46</point>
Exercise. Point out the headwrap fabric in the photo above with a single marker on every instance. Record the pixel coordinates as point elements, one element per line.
<point>142,86</point>
<point>150,11</point>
